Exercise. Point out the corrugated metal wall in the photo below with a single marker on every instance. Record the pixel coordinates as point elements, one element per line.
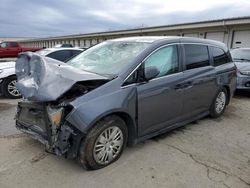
<point>234,35</point>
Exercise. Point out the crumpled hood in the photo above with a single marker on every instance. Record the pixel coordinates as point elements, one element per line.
<point>45,79</point>
<point>243,66</point>
<point>7,65</point>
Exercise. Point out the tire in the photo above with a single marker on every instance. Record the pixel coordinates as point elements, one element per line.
<point>219,104</point>
<point>93,152</point>
<point>9,89</point>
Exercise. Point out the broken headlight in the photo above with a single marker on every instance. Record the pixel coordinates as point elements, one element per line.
<point>55,115</point>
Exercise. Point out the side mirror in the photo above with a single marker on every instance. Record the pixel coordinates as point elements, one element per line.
<point>150,73</point>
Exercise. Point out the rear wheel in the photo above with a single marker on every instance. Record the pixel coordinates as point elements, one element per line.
<point>9,89</point>
<point>104,143</point>
<point>219,103</point>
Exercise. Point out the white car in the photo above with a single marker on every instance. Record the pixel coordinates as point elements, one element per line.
<point>8,80</point>
<point>7,69</point>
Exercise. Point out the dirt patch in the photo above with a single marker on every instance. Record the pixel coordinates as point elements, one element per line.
<point>13,136</point>
<point>38,157</point>
<point>5,106</point>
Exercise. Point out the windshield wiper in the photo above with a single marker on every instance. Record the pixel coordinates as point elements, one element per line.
<point>241,59</point>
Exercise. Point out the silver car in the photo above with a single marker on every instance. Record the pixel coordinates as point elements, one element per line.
<point>241,57</point>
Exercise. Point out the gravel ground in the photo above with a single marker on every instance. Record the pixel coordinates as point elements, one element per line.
<point>208,153</point>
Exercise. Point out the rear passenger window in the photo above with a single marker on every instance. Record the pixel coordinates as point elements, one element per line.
<point>196,56</point>
<point>219,56</point>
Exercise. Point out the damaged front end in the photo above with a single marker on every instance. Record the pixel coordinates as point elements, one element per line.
<point>46,122</point>
<point>48,87</point>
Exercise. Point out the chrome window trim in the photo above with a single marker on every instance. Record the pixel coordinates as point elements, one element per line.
<point>166,76</point>
<point>201,44</point>
<point>206,45</point>
<point>143,61</point>
<point>134,84</point>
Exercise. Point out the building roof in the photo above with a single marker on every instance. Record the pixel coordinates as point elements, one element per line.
<point>201,24</point>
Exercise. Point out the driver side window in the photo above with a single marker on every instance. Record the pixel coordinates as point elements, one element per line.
<point>165,59</point>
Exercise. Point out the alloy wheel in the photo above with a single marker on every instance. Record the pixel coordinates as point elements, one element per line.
<point>108,145</point>
<point>12,89</point>
<point>220,102</point>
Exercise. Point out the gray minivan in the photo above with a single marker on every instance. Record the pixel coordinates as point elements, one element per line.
<point>121,92</point>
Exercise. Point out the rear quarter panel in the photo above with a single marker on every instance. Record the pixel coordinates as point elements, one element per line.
<point>226,76</point>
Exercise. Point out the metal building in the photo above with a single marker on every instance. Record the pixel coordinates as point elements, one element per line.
<point>235,32</point>
<point>2,39</point>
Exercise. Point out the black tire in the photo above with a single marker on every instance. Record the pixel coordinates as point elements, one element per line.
<point>5,90</point>
<point>213,111</point>
<point>86,151</point>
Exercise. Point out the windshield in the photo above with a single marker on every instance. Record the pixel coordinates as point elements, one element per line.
<point>241,55</point>
<point>108,58</point>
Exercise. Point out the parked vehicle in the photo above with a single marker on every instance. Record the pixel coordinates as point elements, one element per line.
<point>241,57</point>
<point>12,49</point>
<point>64,46</point>
<point>61,54</point>
<point>121,92</point>
<point>8,75</point>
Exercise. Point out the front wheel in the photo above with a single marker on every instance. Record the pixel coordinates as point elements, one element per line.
<point>219,104</point>
<point>104,143</point>
<point>9,89</point>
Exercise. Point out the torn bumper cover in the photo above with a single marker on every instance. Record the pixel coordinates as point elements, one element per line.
<point>45,79</point>
<point>33,118</point>
<point>44,83</point>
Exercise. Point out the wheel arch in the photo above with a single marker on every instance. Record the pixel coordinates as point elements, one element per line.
<point>9,76</point>
<point>228,93</point>
<point>130,123</point>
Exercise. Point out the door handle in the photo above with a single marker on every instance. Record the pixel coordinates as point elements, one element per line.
<point>177,87</point>
<point>182,86</point>
<point>165,89</point>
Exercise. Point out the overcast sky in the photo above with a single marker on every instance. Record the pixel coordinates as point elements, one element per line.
<point>43,18</point>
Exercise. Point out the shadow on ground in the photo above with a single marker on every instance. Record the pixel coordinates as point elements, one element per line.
<point>242,94</point>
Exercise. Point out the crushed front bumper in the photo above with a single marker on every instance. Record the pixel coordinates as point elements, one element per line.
<point>32,119</point>
<point>33,134</point>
